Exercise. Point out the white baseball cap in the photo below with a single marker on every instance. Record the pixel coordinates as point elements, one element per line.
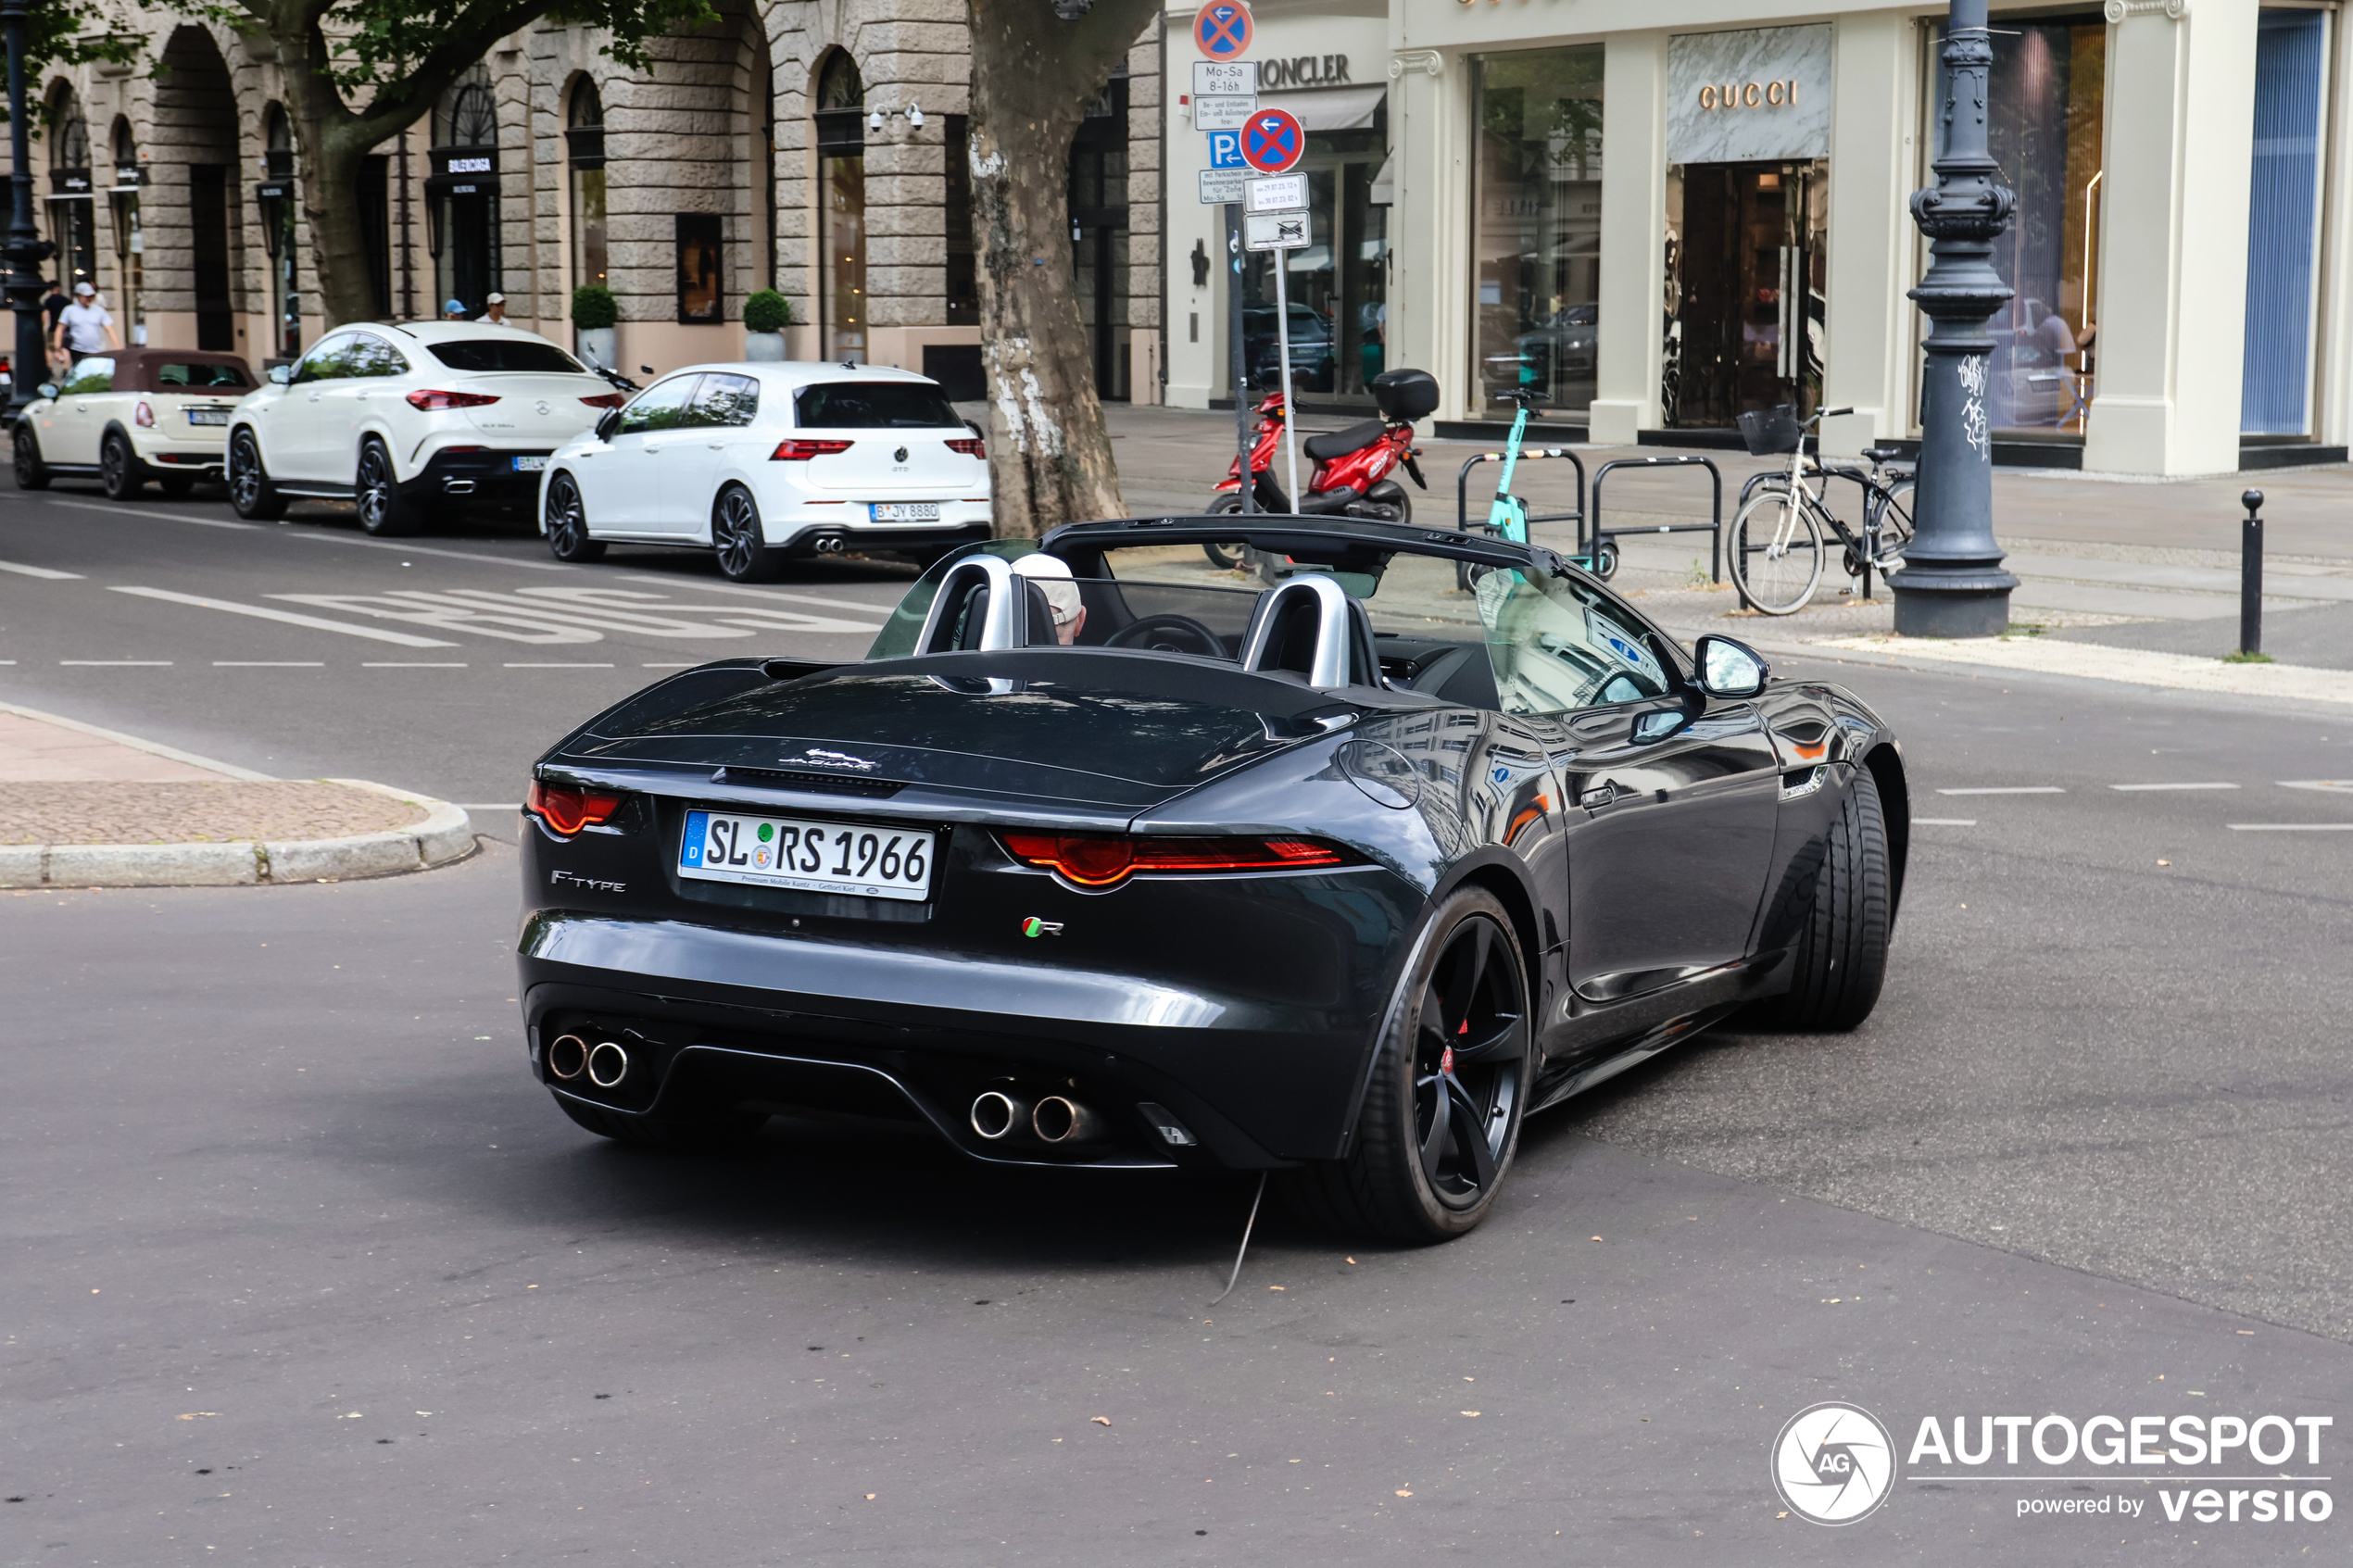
<point>496,299</point>
<point>83,288</point>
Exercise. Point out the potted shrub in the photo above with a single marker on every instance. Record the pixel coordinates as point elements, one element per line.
<point>594,311</point>
<point>766,314</point>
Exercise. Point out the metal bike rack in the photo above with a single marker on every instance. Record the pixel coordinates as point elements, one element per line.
<point>1714,528</point>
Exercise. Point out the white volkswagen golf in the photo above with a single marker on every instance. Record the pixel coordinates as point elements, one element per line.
<point>762,463</point>
<point>411,420</point>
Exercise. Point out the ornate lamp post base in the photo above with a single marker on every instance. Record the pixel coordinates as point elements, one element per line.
<point>25,250</point>
<point>1952,583</point>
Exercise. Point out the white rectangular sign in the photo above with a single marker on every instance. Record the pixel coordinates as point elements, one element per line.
<point>1275,231</point>
<point>1220,186</point>
<point>1224,111</point>
<point>1278,192</point>
<point>1213,78</point>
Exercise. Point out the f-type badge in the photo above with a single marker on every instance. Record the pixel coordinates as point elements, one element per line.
<point>1033,926</point>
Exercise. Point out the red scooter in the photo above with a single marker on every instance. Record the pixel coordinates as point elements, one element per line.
<point>1353,466</point>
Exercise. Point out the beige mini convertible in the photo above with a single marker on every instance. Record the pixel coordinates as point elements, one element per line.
<point>132,415</point>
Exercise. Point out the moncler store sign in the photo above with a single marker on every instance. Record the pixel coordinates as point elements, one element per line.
<point>1747,97</point>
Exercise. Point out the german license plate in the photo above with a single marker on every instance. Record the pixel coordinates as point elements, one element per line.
<point>903,511</point>
<point>530,464</point>
<point>208,415</point>
<point>813,856</point>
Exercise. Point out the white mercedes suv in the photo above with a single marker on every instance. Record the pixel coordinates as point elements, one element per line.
<point>761,463</point>
<point>408,420</point>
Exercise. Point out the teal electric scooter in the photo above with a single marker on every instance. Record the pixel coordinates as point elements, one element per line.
<point>1507,514</point>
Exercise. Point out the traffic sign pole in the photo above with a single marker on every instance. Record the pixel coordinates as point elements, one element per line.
<point>1240,355</point>
<point>1282,341</point>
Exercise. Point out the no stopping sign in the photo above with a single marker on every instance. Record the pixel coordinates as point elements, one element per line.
<point>1273,141</point>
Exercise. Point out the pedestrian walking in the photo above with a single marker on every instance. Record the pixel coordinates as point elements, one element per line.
<point>496,314</point>
<point>453,310</point>
<point>52,306</point>
<point>84,327</point>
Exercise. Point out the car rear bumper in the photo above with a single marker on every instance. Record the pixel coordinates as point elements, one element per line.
<point>714,1018</point>
<point>825,531</point>
<point>485,474</point>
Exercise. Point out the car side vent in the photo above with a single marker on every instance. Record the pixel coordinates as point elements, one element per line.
<point>816,783</point>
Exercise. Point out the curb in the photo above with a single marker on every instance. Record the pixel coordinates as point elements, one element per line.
<point>444,837</point>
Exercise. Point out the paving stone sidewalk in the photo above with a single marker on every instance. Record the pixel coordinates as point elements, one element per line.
<point>195,812</point>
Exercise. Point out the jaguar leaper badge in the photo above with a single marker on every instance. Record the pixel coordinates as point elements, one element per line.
<point>1033,926</point>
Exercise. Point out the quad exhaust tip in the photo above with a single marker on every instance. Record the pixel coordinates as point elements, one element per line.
<point>1061,1120</point>
<point>998,1115</point>
<point>567,1057</point>
<point>829,544</point>
<point>608,1065</point>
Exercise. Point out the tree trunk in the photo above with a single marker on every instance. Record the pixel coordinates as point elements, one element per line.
<point>1033,76</point>
<point>333,144</point>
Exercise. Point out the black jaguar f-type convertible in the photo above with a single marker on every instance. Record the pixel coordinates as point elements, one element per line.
<point>1338,864</point>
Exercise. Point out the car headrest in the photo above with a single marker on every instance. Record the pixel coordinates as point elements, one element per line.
<point>982,605</point>
<point>1311,627</point>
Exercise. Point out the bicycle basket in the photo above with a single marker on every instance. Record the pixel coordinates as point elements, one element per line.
<point>1769,431</point>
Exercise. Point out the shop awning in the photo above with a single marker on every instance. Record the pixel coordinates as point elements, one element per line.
<point>1330,109</point>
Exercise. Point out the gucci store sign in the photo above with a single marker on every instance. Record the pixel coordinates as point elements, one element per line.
<point>1748,97</point>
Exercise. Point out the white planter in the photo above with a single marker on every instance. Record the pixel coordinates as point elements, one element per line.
<point>764,346</point>
<point>593,345</point>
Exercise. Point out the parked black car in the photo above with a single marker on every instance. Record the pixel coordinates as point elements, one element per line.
<point>1102,859</point>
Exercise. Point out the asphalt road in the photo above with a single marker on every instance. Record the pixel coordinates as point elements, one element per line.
<point>280,1182</point>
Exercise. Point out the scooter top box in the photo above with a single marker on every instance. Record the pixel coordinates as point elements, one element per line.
<point>1405,394</point>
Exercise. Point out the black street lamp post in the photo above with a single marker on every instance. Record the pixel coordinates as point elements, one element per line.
<point>1952,583</point>
<point>26,250</point>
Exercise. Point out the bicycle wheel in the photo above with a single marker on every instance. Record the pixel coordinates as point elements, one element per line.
<point>1895,524</point>
<point>1777,553</point>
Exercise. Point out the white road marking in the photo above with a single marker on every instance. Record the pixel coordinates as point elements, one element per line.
<point>2174,786</point>
<point>558,666</point>
<point>572,615</point>
<point>263,612</point>
<point>2007,789</point>
<point>41,571</point>
<point>1944,821</point>
<point>2317,783</point>
<point>2292,827</point>
<point>412,667</point>
<point>269,664</point>
<point>120,663</point>
<point>797,598</point>
<point>144,512</point>
<point>476,555</point>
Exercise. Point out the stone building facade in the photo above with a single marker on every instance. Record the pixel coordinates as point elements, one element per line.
<point>810,147</point>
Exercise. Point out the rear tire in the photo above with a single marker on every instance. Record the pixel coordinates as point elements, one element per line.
<point>119,473</point>
<point>715,1134</point>
<point>383,511</point>
<point>568,537</point>
<point>251,495</point>
<point>1842,946</point>
<point>745,555</point>
<point>32,472</point>
<point>1225,558</point>
<point>1457,1049</point>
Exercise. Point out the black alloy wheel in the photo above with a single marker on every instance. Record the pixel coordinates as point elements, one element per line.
<point>119,473</point>
<point>382,509</point>
<point>32,472</point>
<point>744,555</point>
<point>568,523</point>
<point>251,494</point>
<point>1442,1115</point>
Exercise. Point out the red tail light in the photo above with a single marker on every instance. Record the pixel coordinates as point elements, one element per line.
<point>1098,862</point>
<point>142,416</point>
<point>567,810</point>
<point>971,447</point>
<point>801,451</point>
<point>434,402</point>
<point>609,400</point>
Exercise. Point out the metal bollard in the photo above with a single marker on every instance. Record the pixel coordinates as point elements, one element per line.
<point>2251,574</point>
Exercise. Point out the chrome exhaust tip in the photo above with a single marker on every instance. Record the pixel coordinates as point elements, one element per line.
<point>998,1115</point>
<point>608,1065</point>
<point>829,544</point>
<point>1060,1119</point>
<point>567,1057</point>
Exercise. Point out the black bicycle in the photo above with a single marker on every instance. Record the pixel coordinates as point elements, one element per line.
<point>1778,544</point>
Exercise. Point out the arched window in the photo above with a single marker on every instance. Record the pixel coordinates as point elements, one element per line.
<point>73,225</point>
<point>468,114</point>
<point>841,206</point>
<point>584,138</point>
<point>461,195</point>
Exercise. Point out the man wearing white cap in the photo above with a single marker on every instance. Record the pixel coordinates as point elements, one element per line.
<point>84,328</point>
<point>496,314</point>
<point>1053,578</point>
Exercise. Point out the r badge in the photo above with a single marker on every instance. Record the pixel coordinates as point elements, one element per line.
<point>1033,926</point>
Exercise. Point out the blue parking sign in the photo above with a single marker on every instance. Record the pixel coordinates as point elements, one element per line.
<point>1226,149</point>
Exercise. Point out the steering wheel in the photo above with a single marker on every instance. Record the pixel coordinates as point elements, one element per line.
<point>1168,634</point>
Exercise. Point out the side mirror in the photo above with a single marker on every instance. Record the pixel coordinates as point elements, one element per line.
<point>281,375</point>
<point>1731,669</point>
<point>47,389</point>
<point>607,422</point>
